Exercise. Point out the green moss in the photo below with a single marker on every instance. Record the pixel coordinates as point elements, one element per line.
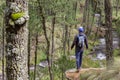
<point>16,16</point>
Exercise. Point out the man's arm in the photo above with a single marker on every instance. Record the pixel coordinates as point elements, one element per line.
<point>74,42</point>
<point>86,42</point>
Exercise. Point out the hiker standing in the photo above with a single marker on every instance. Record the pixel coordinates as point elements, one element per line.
<point>78,42</point>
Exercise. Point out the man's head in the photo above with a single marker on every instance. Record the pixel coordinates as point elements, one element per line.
<point>81,29</point>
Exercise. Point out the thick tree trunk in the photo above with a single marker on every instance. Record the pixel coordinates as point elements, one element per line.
<point>109,38</point>
<point>16,39</point>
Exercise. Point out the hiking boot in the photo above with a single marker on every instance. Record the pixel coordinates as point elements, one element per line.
<point>77,71</point>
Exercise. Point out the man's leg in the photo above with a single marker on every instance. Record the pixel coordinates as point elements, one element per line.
<point>77,59</point>
<point>80,59</point>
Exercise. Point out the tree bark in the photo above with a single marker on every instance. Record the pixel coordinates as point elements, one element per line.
<point>108,36</point>
<point>16,39</point>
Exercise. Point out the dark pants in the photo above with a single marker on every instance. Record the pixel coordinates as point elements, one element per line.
<point>79,59</point>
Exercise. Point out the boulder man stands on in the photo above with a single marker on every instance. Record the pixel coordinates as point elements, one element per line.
<point>78,42</point>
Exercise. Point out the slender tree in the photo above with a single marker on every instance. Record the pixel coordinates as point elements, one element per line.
<point>3,52</point>
<point>29,53</point>
<point>43,21</point>
<point>36,49</point>
<point>117,7</point>
<point>108,36</point>
<point>53,35</point>
<point>16,17</point>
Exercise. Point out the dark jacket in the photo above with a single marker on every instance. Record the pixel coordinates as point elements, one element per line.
<point>75,42</point>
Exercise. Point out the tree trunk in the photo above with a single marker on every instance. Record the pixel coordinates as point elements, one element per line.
<point>75,9</point>
<point>36,47</point>
<point>94,7</point>
<point>119,41</point>
<point>65,39</point>
<point>108,36</point>
<point>43,20</point>
<point>48,48</point>
<point>3,52</point>
<point>53,31</point>
<point>85,13</point>
<point>53,41</point>
<point>88,18</point>
<point>68,41</point>
<point>16,17</point>
<point>29,51</point>
<point>117,7</point>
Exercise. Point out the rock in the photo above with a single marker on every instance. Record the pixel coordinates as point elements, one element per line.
<point>73,75</point>
<point>43,64</point>
<point>32,68</point>
<point>72,57</point>
<point>101,56</point>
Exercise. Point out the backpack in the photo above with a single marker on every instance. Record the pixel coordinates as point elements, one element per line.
<point>81,40</point>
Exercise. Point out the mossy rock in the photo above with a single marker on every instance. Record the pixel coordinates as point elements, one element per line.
<point>16,16</point>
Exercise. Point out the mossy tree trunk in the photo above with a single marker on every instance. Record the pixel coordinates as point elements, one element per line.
<point>108,36</point>
<point>16,16</point>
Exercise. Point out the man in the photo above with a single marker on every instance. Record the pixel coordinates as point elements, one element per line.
<point>78,42</point>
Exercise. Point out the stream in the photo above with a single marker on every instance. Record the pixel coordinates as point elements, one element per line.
<point>100,49</point>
